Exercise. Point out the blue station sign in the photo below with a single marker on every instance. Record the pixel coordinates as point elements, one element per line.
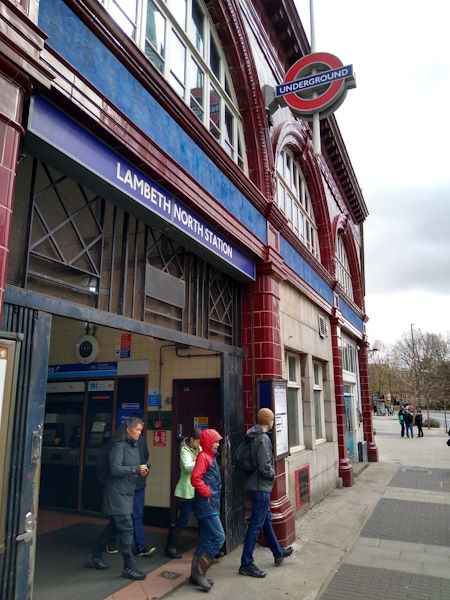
<point>49,124</point>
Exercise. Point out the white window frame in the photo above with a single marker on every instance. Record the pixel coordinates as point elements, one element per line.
<point>295,384</point>
<point>343,274</point>
<point>294,201</point>
<point>227,99</point>
<point>318,387</point>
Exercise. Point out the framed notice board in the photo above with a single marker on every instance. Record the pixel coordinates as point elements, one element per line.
<point>272,394</point>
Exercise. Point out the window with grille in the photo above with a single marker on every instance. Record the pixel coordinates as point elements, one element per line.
<point>294,402</point>
<point>319,408</point>
<point>342,267</point>
<point>179,38</point>
<point>295,202</point>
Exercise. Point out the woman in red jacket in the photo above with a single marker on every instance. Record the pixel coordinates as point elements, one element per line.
<point>207,482</point>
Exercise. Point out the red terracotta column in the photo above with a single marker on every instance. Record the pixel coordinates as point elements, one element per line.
<point>12,96</point>
<point>263,360</point>
<point>366,405</point>
<point>345,466</point>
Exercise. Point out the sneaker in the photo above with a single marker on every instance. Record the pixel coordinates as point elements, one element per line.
<point>251,570</point>
<point>146,552</point>
<point>96,563</point>
<point>111,549</point>
<point>133,573</point>
<point>286,552</point>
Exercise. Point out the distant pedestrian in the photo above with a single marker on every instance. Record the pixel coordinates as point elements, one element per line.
<point>408,423</point>
<point>418,421</point>
<point>401,420</point>
<point>207,482</point>
<point>260,483</point>
<point>184,492</point>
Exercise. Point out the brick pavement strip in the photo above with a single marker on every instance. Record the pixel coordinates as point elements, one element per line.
<point>368,583</point>
<point>399,493</point>
<point>409,521</point>
<point>401,556</point>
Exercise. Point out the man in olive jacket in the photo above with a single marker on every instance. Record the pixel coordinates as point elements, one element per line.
<point>118,494</point>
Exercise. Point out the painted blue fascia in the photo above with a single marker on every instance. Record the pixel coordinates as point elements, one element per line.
<point>80,47</point>
<point>298,264</point>
<point>349,314</point>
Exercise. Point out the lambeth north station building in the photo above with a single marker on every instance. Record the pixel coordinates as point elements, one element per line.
<point>170,245</point>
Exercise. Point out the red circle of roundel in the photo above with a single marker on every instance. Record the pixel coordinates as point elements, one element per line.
<point>314,104</point>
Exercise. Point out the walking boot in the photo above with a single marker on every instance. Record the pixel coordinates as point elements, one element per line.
<point>194,565</point>
<point>171,545</point>
<point>199,567</point>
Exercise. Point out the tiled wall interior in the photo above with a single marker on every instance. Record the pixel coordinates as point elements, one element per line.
<point>65,334</point>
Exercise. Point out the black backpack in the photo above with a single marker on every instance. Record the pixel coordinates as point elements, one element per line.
<point>102,466</point>
<point>243,458</point>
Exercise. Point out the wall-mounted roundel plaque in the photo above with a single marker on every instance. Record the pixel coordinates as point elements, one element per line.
<point>317,83</point>
<point>86,349</point>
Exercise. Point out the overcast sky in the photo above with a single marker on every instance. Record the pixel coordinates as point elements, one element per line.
<point>396,127</point>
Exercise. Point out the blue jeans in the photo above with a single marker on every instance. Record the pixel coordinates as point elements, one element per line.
<point>211,536</point>
<point>261,518</point>
<point>409,428</point>
<point>138,514</point>
<point>183,517</point>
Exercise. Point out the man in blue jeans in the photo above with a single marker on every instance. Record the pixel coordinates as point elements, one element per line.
<point>259,484</point>
<point>409,423</point>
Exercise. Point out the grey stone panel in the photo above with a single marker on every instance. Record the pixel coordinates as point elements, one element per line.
<point>436,480</point>
<point>366,583</point>
<point>409,521</point>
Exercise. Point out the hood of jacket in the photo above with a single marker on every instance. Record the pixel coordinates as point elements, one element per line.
<point>255,431</point>
<point>207,439</point>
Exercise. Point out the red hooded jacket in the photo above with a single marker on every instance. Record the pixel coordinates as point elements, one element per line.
<point>204,460</point>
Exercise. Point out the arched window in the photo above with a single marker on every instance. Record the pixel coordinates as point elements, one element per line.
<point>179,38</point>
<point>342,268</point>
<point>294,200</point>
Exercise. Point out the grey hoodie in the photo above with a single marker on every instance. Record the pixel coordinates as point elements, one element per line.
<point>263,477</point>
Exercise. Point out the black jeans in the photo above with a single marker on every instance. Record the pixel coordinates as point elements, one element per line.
<point>122,525</point>
<point>403,428</point>
<point>419,431</point>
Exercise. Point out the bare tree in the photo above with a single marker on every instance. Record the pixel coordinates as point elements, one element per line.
<point>419,358</point>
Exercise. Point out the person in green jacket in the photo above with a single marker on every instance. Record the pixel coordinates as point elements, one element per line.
<point>184,492</point>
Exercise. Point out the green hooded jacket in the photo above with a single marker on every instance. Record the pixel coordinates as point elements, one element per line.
<point>188,456</point>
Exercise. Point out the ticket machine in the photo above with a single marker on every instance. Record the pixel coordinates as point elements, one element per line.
<point>99,422</point>
<point>61,444</point>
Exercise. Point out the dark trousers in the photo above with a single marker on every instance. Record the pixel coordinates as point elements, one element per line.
<point>122,525</point>
<point>183,516</point>
<point>261,518</point>
<point>403,428</point>
<point>138,523</point>
<point>420,431</point>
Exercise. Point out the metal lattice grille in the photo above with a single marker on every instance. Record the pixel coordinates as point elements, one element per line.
<point>220,305</point>
<point>66,233</point>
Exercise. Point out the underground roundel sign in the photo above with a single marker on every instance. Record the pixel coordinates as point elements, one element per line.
<point>317,83</point>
